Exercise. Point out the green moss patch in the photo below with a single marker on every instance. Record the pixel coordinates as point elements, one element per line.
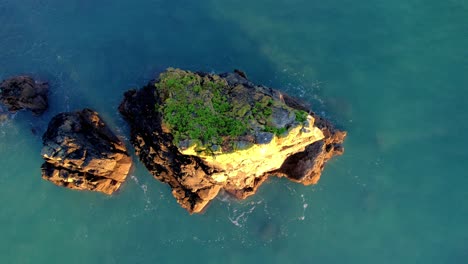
<point>195,108</point>
<point>301,116</point>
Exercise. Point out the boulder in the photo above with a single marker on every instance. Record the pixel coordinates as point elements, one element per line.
<point>202,133</point>
<point>82,153</point>
<point>23,92</point>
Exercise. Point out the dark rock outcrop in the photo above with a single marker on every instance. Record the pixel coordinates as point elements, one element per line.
<point>82,153</point>
<point>197,179</point>
<point>23,92</point>
<point>161,157</point>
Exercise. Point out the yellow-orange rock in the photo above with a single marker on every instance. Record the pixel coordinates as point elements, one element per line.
<point>82,153</point>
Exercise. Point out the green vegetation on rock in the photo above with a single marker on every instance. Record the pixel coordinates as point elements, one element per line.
<point>276,131</point>
<point>203,110</point>
<point>301,116</point>
<point>195,108</point>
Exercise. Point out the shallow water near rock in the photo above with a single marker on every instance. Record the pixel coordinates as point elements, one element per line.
<point>393,74</point>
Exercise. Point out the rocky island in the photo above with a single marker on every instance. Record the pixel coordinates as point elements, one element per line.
<point>23,92</point>
<point>82,153</point>
<point>202,133</point>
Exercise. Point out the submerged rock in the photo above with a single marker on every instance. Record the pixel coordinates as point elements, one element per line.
<point>23,92</point>
<point>82,153</point>
<point>201,133</point>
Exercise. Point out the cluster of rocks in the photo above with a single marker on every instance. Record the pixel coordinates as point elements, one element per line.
<point>81,152</point>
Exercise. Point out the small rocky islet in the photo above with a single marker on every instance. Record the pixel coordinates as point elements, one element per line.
<point>200,133</point>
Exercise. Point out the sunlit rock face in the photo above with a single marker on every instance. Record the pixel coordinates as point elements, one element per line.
<point>240,168</point>
<point>82,153</point>
<point>202,133</point>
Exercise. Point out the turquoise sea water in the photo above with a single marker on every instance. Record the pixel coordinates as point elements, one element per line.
<point>394,74</point>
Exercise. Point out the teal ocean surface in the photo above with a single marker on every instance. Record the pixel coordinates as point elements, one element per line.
<point>394,74</point>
